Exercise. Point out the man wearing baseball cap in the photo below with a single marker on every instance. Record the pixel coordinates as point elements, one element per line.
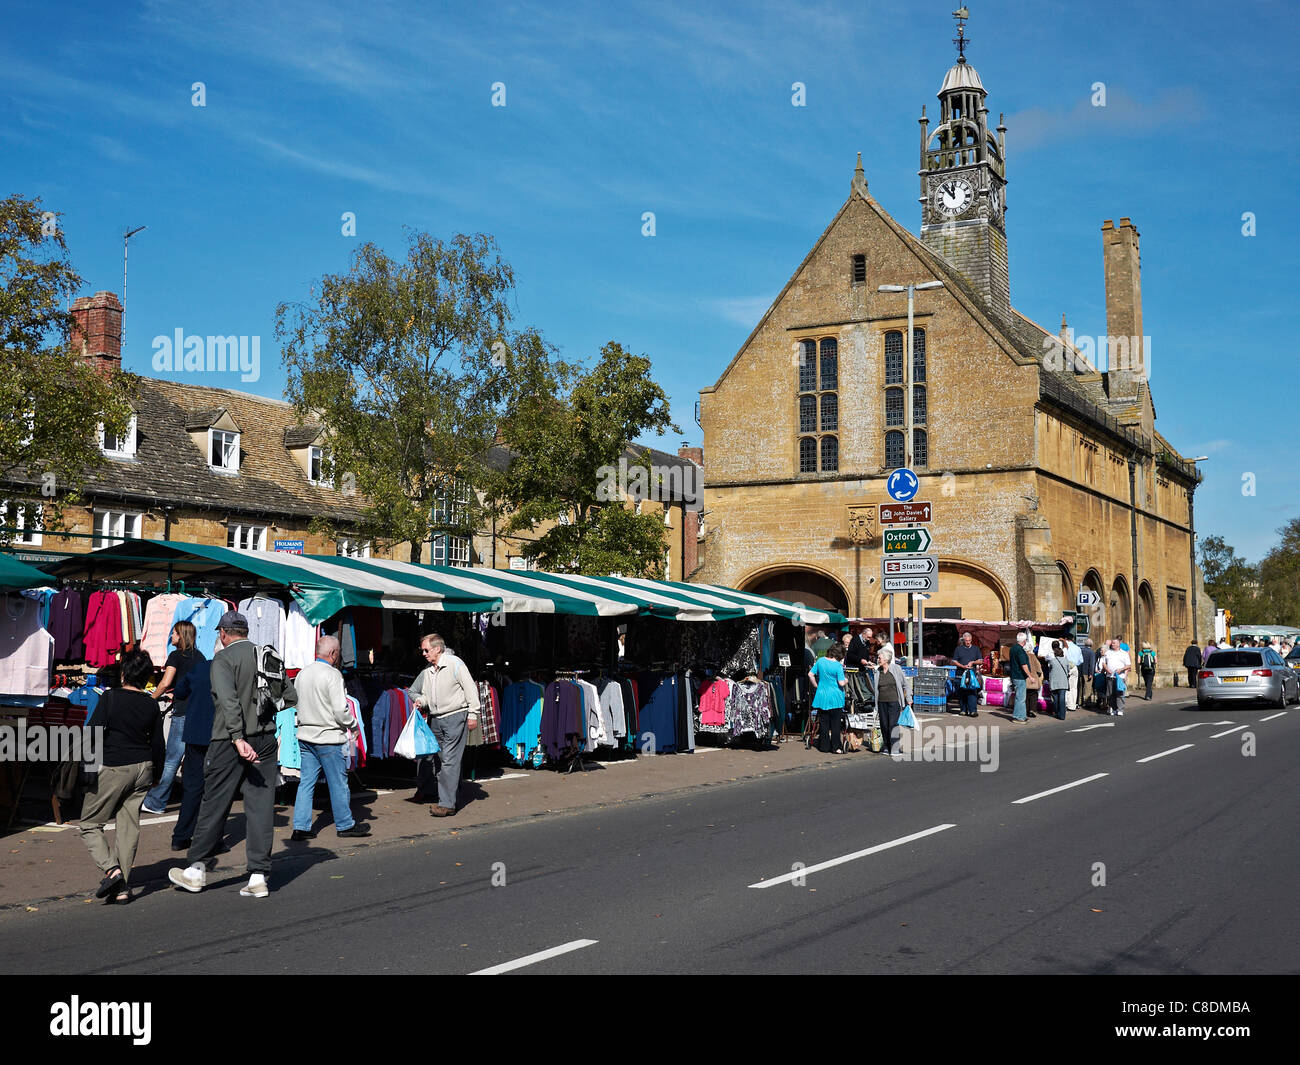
<point>243,751</point>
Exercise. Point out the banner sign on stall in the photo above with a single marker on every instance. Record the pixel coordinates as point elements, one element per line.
<point>289,547</point>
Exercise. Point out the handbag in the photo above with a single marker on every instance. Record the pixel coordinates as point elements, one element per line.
<point>416,739</point>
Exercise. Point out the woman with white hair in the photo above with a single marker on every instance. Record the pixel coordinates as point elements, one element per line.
<point>891,696</point>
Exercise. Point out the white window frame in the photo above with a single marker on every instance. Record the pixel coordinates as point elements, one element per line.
<point>126,442</point>
<point>241,537</point>
<point>350,548</point>
<point>316,458</point>
<point>29,535</point>
<point>231,450</point>
<point>112,527</point>
<point>450,550</point>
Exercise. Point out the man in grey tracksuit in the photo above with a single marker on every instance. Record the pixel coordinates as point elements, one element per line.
<point>447,695</point>
<point>243,751</point>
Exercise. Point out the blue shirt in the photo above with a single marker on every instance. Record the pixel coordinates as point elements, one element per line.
<point>195,688</point>
<point>829,673</point>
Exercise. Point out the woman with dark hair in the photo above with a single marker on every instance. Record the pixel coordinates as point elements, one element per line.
<point>179,663</point>
<point>828,700</point>
<point>131,753</point>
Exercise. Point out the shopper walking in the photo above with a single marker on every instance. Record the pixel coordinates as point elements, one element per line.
<point>1058,678</point>
<point>131,754</point>
<point>196,689</point>
<point>828,700</point>
<point>1192,661</point>
<point>179,663</point>
<point>1118,665</point>
<point>892,695</point>
<point>1019,670</point>
<point>243,752</point>
<point>1087,671</point>
<point>1034,685</point>
<point>1147,667</point>
<point>969,659</point>
<point>1074,657</point>
<point>324,725</point>
<point>446,693</point>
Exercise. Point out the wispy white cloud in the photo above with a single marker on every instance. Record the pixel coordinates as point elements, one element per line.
<point>1122,115</point>
<point>743,310</point>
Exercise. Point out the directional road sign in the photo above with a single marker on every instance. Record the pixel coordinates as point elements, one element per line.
<point>1082,626</point>
<point>906,541</point>
<point>902,485</point>
<point>1087,597</point>
<point>927,583</point>
<point>904,513</point>
<point>909,566</point>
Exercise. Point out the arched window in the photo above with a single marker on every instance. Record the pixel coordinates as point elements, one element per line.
<point>830,365</point>
<point>807,366</point>
<point>893,358</point>
<point>920,448</point>
<point>830,454</point>
<point>830,412</point>
<point>918,404</point>
<point>807,414</point>
<point>807,454</point>
<point>893,406</point>
<point>918,356</point>
<point>893,449</point>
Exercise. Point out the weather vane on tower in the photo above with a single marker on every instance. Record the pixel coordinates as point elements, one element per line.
<point>961,40</point>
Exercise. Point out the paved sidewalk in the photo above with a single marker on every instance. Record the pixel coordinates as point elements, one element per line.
<point>45,863</point>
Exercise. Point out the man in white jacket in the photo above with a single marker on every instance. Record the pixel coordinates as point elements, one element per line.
<point>324,723</point>
<point>447,695</point>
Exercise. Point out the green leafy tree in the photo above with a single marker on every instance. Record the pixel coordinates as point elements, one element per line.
<point>405,366</point>
<point>51,399</point>
<point>1279,579</point>
<point>567,426</point>
<point>1229,579</point>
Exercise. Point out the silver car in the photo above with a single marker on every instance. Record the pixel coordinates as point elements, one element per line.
<point>1249,674</point>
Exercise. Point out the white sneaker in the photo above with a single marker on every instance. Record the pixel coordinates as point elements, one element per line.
<point>256,888</point>
<point>192,878</point>
<point>1119,713</point>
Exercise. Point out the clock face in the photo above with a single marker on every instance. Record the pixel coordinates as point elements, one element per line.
<point>953,196</point>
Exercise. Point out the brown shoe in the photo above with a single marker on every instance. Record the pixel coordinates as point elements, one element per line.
<point>441,811</point>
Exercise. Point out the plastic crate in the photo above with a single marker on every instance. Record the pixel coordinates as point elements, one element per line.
<point>929,700</point>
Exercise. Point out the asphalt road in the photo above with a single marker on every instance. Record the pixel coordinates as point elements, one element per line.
<point>1199,850</point>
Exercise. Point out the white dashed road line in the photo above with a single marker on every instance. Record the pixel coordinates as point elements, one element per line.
<point>1229,732</point>
<point>1063,787</point>
<point>799,873</point>
<point>1271,716</point>
<point>533,959</point>
<point>1197,724</point>
<point>1172,750</point>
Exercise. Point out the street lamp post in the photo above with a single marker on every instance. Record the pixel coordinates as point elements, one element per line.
<point>911,288</point>
<point>1191,534</point>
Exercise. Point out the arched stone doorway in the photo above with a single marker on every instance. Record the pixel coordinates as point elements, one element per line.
<point>1147,613</point>
<point>800,585</point>
<point>1119,619</point>
<point>1098,614</point>
<point>1067,587</point>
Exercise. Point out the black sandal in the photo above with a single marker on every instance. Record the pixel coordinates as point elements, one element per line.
<point>110,885</point>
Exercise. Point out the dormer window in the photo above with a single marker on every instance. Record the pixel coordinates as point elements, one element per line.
<point>118,445</point>
<point>316,464</point>
<point>223,450</point>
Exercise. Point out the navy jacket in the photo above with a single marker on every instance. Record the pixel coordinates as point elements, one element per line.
<point>195,687</point>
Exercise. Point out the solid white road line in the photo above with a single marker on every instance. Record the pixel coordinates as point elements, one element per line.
<point>1106,724</point>
<point>1172,750</point>
<point>1229,732</point>
<point>166,819</point>
<point>1197,724</point>
<point>1063,787</point>
<point>503,776</point>
<point>799,873</point>
<point>533,959</point>
<point>1271,716</point>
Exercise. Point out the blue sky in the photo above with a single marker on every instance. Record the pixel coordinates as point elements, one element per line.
<point>385,110</point>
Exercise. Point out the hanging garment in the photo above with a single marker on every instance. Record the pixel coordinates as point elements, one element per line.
<point>67,621</point>
<point>561,718</point>
<point>286,734</point>
<point>521,720</point>
<point>713,703</point>
<point>103,633</point>
<point>266,623</point>
<point>26,649</point>
<point>299,640</point>
<point>657,719</point>
<point>749,709</point>
<point>204,614</point>
<point>489,705</point>
<point>611,706</point>
<point>157,632</point>
<point>354,747</point>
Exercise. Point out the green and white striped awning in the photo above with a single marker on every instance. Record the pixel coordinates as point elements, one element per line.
<point>325,584</point>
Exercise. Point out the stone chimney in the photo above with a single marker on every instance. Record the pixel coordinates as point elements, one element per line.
<point>1125,349</point>
<point>99,330</point>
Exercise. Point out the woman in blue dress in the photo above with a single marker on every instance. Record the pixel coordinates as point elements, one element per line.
<point>828,700</point>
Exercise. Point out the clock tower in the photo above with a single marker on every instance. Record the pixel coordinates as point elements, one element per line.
<point>963,182</point>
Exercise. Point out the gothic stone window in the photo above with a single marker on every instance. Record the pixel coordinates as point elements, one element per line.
<point>819,405</point>
<point>895,414</point>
